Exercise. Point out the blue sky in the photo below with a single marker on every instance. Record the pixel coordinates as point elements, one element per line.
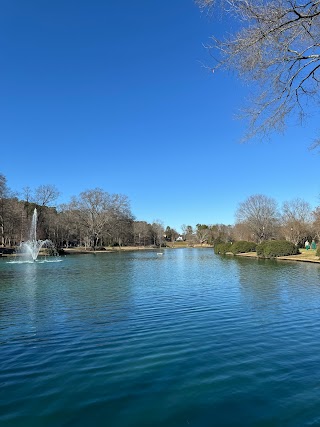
<point>113,95</point>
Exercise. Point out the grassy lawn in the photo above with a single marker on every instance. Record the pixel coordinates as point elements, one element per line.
<point>310,254</point>
<point>305,255</point>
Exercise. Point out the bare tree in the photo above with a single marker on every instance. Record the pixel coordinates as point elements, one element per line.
<point>10,215</point>
<point>202,233</point>
<point>3,194</point>
<point>44,195</point>
<point>102,215</point>
<point>171,234</point>
<point>27,194</point>
<point>92,211</point>
<point>188,232</point>
<point>158,232</point>
<point>316,223</point>
<point>141,232</point>
<point>277,47</point>
<point>69,227</point>
<point>241,231</point>
<point>296,220</point>
<point>260,214</point>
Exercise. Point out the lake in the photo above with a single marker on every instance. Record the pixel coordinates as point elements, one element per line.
<point>134,339</point>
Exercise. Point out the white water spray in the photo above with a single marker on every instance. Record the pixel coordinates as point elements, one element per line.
<point>32,247</point>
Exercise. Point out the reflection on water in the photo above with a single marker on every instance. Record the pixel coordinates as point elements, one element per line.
<point>40,261</point>
<point>133,339</point>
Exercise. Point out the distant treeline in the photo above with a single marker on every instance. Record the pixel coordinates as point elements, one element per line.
<point>96,218</point>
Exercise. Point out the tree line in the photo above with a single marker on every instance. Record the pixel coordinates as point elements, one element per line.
<point>93,219</point>
<point>260,218</point>
<point>96,219</point>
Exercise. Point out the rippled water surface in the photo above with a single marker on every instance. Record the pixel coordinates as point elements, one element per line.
<point>136,339</point>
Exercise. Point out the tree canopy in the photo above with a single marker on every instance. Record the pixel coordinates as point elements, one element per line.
<point>277,47</point>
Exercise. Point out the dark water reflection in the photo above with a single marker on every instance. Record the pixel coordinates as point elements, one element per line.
<point>134,339</point>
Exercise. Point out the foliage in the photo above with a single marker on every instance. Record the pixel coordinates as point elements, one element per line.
<point>318,251</point>
<point>275,248</point>
<point>243,246</point>
<point>171,234</point>
<point>260,249</point>
<point>222,248</point>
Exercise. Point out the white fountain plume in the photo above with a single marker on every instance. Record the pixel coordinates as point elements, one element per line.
<point>33,246</point>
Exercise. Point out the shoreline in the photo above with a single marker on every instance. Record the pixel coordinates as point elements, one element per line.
<point>109,249</point>
<point>304,256</point>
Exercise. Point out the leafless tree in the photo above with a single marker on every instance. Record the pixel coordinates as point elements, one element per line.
<point>3,195</point>
<point>119,226</point>
<point>142,233</point>
<point>296,220</point>
<point>276,47</point>
<point>44,195</point>
<point>202,233</point>
<point>241,231</point>
<point>158,232</point>
<point>10,215</point>
<point>260,214</point>
<point>92,210</point>
<point>316,223</point>
<point>69,227</point>
<point>188,233</point>
<point>102,215</point>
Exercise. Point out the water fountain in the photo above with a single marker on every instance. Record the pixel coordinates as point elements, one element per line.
<point>32,247</point>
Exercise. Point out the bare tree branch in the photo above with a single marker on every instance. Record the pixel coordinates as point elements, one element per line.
<point>277,48</point>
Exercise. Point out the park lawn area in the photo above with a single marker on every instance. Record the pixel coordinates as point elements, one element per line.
<point>308,254</point>
<point>305,255</point>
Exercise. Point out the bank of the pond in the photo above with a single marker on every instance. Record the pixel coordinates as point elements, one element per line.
<point>303,256</point>
<point>109,249</point>
<point>70,251</point>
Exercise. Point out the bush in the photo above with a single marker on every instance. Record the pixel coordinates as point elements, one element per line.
<point>242,246</point>
<point>318,251</point>
<point>260,249</point>
<point>222,248</point>
<point>275,248</point>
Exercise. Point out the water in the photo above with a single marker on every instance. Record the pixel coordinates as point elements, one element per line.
<point>31,249</point>
<point>133,339</point>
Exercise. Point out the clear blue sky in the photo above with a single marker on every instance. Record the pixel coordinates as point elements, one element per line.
<point>112,94</point>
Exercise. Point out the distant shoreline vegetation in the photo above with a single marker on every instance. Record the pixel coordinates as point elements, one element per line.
<point>97,219</point>
<point>266,249</point>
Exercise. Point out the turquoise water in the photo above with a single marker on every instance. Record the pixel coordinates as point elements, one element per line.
<point>136,339</point>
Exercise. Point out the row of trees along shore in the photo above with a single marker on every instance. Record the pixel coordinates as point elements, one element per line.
<point>96,219</point>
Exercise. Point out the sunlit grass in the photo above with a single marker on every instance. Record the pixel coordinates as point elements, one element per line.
<point>310,254</point>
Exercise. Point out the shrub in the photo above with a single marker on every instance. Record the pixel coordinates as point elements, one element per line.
<point>242,246</point>
<point>275,248</point>
<point>318,251</point>
<point>222,248</point>
<point>260,249</point>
